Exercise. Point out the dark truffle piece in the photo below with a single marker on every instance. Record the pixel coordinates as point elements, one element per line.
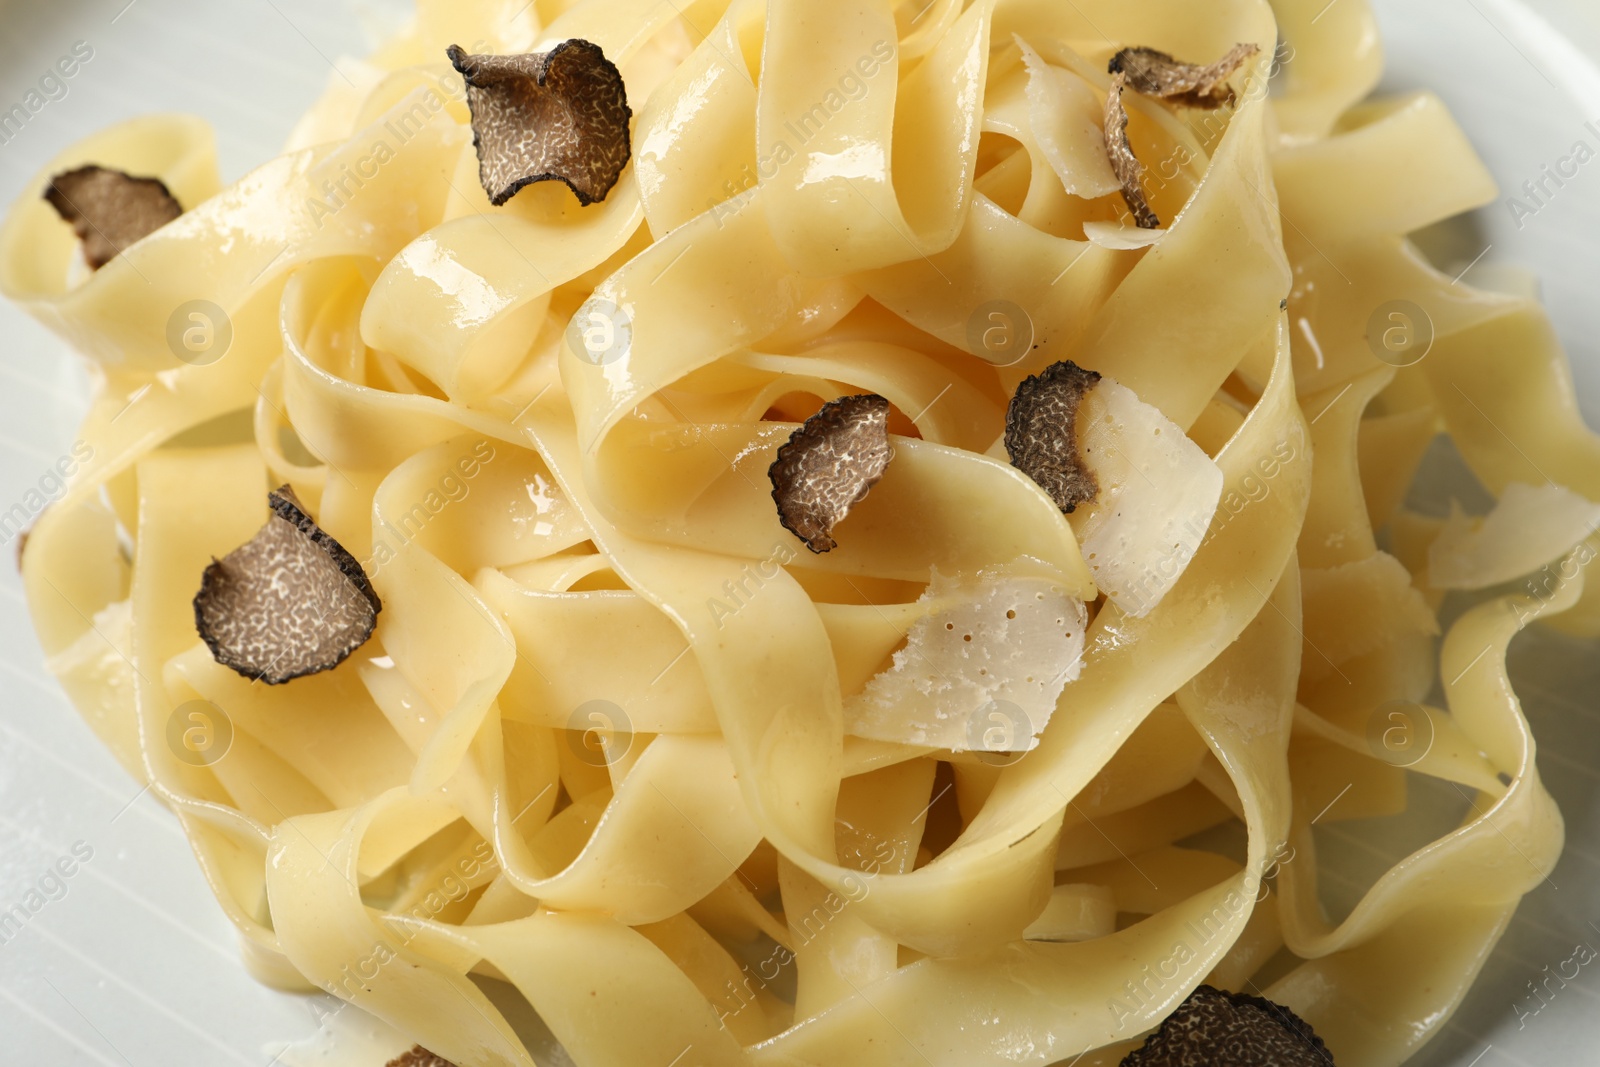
<point>1214,1027</point>
<point>1124,163</point>
<point>829,465</point>
<point>419,1057</point>
<point>1042,433</point>
<point>288,602</point>
<point>110,210</point>
<point>558,115</point>
<point>1157,74</point>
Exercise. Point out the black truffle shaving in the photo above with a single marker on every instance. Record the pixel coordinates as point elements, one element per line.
<point>1126,165</point>
<point>829,465</point>
<point>110,210</point>
<point>288,602</point>
<point>1213,1028</point>
<point>1157,74</point>
<point>418,1056</point>
<point>560,115</point>
<point>1042,433</point>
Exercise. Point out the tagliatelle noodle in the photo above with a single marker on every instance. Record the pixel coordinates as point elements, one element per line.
<point>595,756</point>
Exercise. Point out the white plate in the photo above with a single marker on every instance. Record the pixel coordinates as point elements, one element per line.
<point>134,965</point>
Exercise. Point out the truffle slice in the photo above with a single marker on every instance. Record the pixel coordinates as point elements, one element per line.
<point>1124,163</point>
<point>829,465</point>
<point>1042,433</point>
<point>419,1057</point>
<point>557,115</point>
<point>1217,1027</point>
<point>110,210</point>
<point>1157,74</point>
<point>288,602</point>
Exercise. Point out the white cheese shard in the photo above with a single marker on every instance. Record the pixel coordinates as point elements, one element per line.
<point>1116,236</point>
<point>1529,527</point>
<point>1355,608</point>
<point>1065,115</point>
<point>981,668</point>
<point>1158,493</point>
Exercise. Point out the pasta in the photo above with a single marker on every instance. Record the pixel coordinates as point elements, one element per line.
<point>626,773</point>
